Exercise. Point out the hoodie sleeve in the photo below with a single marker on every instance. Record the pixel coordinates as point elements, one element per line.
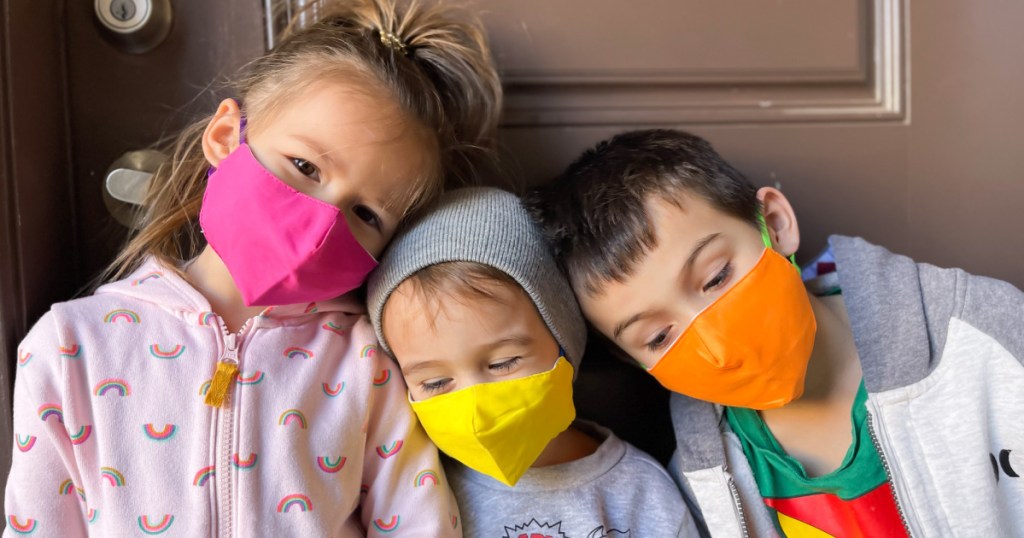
<point>406,489</point>
<point>45,495</point>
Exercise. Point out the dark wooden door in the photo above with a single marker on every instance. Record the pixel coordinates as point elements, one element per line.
<point>893,120</point>
<point>70,104</point>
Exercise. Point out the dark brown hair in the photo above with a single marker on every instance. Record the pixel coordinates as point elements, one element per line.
<point>595,215</point>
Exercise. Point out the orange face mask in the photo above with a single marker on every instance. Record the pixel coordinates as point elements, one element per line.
<point>750,347</point>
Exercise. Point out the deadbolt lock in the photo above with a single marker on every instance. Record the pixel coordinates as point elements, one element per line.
<point>134,26</point>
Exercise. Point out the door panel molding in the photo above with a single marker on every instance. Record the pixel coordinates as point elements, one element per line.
<point>858,80</point>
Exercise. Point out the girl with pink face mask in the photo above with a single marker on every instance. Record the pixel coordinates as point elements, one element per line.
<point>226,382</point>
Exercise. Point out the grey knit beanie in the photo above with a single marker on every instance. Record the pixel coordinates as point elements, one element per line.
<point>491,227</point>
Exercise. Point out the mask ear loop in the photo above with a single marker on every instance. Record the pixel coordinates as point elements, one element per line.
<point>767,240</point>
<point>562,355</point>
<point>241,123</point>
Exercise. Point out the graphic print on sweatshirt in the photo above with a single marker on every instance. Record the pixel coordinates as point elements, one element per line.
<point>536,529</point>
<point>854,500</point>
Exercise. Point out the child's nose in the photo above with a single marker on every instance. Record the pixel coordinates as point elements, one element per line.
<point>339,196</point>
<point>476,378</point>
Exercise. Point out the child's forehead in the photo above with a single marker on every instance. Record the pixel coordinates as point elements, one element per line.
<point>684,213</point>
<point>668,220</point>
<point>330,102</point>
<point>415,322</point>
<point>455,295</point>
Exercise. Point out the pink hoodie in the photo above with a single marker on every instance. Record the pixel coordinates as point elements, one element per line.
<point>316,437</point>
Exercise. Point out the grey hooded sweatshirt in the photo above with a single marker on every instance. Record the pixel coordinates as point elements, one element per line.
<point>942,353</point>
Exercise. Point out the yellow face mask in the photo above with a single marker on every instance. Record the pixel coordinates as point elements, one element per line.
<point>499,429</point>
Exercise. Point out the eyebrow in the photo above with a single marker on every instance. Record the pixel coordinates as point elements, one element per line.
<point>521,339</point>
<point>316,147</point>
<point>704,242</point>
<point>388,208</point>
<point>697,250</point>
<point>633,319</point>
<point>421,366</point>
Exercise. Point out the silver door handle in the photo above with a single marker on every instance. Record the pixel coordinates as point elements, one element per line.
<point>127,182</point>
<point>127,185</point>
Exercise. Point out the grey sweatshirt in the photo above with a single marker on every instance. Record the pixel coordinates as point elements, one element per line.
<point>618,491</point>
<point>942,354</point>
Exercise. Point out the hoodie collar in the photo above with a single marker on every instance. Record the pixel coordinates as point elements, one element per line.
<point>886,305</point>
<point>163,286</point>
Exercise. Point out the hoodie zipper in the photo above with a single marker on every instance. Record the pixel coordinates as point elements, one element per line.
<point>739,506</point>
<point>229,360</point>
<point>888,473</point>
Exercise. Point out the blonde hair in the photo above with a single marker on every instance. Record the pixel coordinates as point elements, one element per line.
<point>434,61</point>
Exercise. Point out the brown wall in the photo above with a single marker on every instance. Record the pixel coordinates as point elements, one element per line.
<point>965,161</point>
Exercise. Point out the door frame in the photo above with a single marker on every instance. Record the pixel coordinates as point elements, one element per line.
<point>37,231</point>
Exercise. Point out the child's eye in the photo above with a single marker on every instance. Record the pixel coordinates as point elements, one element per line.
<point>367,215</point>
<point>719,278</point>
<point>659,340</point>
<point>306,168</point>
<point>436,385</point>
<point>506,365</point>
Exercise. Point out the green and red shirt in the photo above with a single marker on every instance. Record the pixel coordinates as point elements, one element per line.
<point>855,500</point>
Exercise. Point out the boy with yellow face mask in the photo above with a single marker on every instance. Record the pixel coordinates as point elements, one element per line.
<point>882,398</point>
<point>489,336</point>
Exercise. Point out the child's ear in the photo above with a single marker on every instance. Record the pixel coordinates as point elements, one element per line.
<point>221,135</point>
<point>781,221</point>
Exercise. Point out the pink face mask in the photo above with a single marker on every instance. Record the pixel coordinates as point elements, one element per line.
<point>281,246</point>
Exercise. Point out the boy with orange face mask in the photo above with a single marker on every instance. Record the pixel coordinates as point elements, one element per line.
<point>867,396</point>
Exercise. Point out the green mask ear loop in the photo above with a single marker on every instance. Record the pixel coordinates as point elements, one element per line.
<point>768,240</point>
